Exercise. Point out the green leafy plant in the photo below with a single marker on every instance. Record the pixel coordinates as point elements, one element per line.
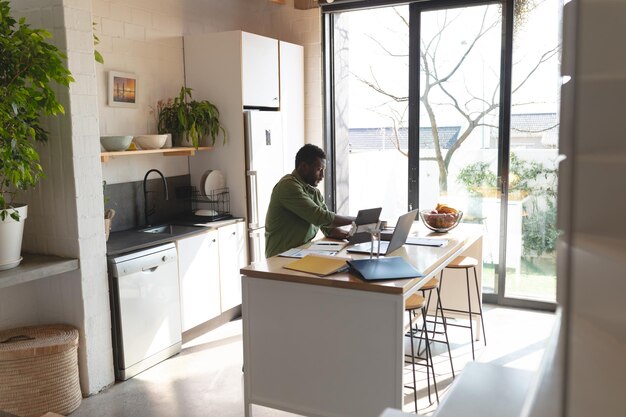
<point>96,40</point>
<point>29,68</point>
<point>528,179</point>
<point>183,116</point>
<point>104,189</point>
<point>477,177</point>
<point>525,177</point>
<point>539,232</point>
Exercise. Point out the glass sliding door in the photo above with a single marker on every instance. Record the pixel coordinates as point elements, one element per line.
<point>455,102</point>
<point>531,255</point>
<point>370,110</point>
<point>459,99</point>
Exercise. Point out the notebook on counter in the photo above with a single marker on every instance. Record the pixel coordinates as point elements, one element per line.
<point>321,265</point>
<point>414,240</point>
<point>316,248</point>
<point>394,267</point>
<point>426,241</point>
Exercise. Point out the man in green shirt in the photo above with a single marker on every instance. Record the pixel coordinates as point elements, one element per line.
<point>297,209</point>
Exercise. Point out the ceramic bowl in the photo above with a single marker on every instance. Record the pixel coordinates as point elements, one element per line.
<point>115,143</point>
<point>440,222</point>
<point>150,141</point>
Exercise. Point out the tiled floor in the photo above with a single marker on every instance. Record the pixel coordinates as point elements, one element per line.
<point>205,379</point>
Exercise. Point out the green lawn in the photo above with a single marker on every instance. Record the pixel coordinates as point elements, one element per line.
<point>535,280</point>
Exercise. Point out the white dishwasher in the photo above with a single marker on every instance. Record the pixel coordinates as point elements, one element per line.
<point>145,308</point>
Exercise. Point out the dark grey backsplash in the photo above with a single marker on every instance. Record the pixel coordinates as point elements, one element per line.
<point>127,201</point>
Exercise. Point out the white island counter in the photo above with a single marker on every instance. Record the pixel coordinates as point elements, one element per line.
<point>333,346</point>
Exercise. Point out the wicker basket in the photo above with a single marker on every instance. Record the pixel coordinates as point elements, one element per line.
<point>39,370</point>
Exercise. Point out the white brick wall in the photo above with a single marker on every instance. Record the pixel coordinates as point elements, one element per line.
<point>65,210</point>
<point>144,38</point>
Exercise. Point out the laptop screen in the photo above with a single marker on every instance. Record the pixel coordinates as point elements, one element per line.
<point>367,216</point>
<point>398,238</point>
<point>401,232</point>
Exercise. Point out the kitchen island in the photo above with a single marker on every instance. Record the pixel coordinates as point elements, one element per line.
<point>333,346</point>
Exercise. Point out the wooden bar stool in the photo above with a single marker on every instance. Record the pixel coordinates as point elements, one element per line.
<point>431,285</point>
<point>467,263</point>
<point>413,304</point>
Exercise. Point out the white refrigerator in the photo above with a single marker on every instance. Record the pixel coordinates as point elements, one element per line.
<point>264,167</point>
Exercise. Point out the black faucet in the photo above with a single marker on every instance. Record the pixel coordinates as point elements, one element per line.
<point>145,194</point>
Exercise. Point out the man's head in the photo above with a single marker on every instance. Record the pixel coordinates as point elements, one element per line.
<point>310,164</point>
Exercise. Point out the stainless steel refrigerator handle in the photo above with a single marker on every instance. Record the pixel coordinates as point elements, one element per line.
<point>254,200</point>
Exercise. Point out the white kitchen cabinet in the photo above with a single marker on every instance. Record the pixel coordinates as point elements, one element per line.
<point>232,249</point>
<point>199,277</point>
<point>291,101</point>
<point>259,71</point>
<point>216,68</point>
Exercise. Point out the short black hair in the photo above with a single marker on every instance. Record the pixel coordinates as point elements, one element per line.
<point>308,153</point>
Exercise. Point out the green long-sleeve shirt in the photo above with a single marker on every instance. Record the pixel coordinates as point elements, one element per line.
<point>295,214</point>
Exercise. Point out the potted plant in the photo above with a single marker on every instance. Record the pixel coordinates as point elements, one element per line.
<point>29,68</point>
<point>189,120</point>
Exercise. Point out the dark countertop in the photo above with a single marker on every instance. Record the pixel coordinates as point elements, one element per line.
<point>133,239</point>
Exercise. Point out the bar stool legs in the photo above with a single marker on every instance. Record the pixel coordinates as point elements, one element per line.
<point>433,284</point>
<point>414,303</point>
<point>413,361</point>
<point>467,263</point>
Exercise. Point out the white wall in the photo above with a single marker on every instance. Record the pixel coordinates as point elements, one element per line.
<point>145,38</point>
<point>591,198</point>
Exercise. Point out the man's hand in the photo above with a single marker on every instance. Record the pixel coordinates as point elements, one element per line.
<point>338,233</point>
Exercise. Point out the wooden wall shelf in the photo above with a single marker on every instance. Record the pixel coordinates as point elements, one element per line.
<point>178,151</point>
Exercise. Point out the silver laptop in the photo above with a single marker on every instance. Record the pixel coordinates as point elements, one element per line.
<point>400,233</point>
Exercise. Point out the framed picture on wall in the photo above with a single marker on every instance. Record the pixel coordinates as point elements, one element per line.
<point>122,89</point>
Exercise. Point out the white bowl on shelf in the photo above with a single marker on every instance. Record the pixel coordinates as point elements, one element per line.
<point>150,141</point>
<point>115,143</point>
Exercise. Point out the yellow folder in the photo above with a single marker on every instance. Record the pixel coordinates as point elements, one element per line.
<point>318,264</point>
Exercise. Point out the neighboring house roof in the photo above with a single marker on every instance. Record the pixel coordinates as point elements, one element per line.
<point>542,126</point>
<point>531,124</point>
<point>379,138</point>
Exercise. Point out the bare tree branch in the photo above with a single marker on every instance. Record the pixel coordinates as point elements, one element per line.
<point>482,31</point>
<point>376,87</point>
<point>545,57</point>
<point>384,48</point>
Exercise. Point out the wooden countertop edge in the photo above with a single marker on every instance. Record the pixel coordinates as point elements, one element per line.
<point>272,270</point>
<point>355,283</point>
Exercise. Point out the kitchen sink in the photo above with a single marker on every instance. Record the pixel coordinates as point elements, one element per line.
<point>164,229</point>
<point>126,241</point>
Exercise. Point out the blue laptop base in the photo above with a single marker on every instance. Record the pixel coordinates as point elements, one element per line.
<point>393,267</point>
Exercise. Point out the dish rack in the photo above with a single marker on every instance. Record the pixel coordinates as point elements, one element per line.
<point>217,200</point>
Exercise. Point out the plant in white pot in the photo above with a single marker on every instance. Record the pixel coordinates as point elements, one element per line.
<point>29,69</point>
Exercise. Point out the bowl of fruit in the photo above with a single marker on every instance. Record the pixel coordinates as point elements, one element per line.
<point>442,218</point>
